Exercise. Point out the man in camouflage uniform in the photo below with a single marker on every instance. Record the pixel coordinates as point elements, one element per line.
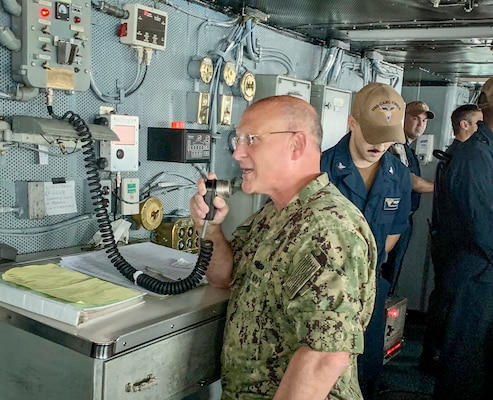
<point>301,270</point>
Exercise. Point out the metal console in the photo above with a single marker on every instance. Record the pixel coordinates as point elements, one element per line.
<point>162,349</point>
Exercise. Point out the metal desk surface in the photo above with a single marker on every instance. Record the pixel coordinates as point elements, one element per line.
<point>122,330</point>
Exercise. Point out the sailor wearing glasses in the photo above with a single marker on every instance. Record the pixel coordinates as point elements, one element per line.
<point>301,270</point>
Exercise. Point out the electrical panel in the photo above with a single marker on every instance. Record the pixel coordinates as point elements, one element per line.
<point>178,145</point>
<point>56,45</point>
<point>333,105</point>
<point>144,27</point>
<point>275,85</point>
<point>121,154</point>
<point>395,318</point>
<point>179,234</point>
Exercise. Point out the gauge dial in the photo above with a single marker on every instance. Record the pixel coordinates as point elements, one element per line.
<point>62,11</point>
<point>248,86</point>
<point>206,69</point>
<point>229,73</point>
<point>202,69</point>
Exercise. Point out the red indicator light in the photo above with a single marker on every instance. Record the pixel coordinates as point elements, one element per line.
<point>45,12</point>
<point>177,124</point>
<point>393,349</point>
<point>146,12</point>
<point>77,20</point>
<point>393,312</point>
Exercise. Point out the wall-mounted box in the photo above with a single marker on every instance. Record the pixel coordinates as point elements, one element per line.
<point>275,85</point>
<point>56,50</point>
<point>145,26</point>
<point>333,105</point>
<point>178,145</point>
<point>122,154</point>
<point>425,145</point>
<point>198,107</point>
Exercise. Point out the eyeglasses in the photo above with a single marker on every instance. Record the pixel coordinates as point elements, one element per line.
<point>247,139</point>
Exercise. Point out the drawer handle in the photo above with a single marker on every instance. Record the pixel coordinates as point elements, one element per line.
<point>143,384</point>
<point>295,94</point>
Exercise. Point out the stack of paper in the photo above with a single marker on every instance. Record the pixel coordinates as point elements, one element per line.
<point>64,295</point>
<point>148,257</point>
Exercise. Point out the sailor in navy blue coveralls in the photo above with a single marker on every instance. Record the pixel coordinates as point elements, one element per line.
<point>466,360</point>
<point>386,207</point>
<point>396,256</point>
<point>417,115</point>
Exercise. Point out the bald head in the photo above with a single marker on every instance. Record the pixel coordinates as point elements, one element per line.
<point>278,147</point>
<point>299,115</point>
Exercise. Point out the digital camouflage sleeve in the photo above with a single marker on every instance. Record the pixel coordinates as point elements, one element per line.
<point>303,276</point>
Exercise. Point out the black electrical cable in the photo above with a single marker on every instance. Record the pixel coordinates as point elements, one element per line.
<point>147,282</point>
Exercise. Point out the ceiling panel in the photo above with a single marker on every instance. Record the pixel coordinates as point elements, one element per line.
<point>447,40</point>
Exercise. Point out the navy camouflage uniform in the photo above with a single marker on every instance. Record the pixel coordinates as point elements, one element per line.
<point>303,276</point>
<point>386,208</point>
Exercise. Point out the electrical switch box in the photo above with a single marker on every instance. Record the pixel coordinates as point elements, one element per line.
<point>333,105</point>
<point>129,196</point>
<point>122,154</point>
<point>145,26</point>
<point>178,145</point>
<point>198,107</point>
<point>275,85</point>
<point>56,45</point>
<point>226,110</point>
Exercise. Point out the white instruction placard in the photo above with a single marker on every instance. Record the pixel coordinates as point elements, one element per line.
<point>60,198</point>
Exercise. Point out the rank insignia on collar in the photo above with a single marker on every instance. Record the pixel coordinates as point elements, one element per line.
<point>391,170</point>
<point>340,166</point>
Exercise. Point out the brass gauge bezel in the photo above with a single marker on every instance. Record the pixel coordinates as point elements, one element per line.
<point>206,69</point>
<point>201,68</point>
<point>150,214</point>
<point>248,85</point>
<point>229,73</point>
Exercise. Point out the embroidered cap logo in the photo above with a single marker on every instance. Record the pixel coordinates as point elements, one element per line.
<point>388,110</point>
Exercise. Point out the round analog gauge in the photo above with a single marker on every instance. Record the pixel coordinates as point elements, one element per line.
<point>248,86</point>
<point>62,8</point>
<point>229,73</point>
<point>206,69</point>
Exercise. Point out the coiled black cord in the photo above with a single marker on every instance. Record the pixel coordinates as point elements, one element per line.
<point>147,282</point>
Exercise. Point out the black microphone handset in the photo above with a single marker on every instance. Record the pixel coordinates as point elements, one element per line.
<point>216,187</point>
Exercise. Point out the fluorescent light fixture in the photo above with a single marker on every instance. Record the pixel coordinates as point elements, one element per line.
<point>416,34</point>
<point>27,129</point>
